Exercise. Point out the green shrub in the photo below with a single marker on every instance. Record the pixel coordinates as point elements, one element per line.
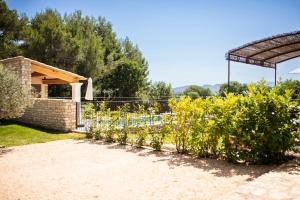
<point>158,133</point>
<point>89,114</point>
<point>110,121</point>
<point>88,111</point>
<point>122,134</point>
<point>202,140</point>
<point>122,137</point>
<point>89,133</point>
<point>292,85</point>
<point>101,126</point>
<point>109,135</point>
<point>156,138</point>
<point>182,129</point>
<point>98,134</point>
<point>257,127</point>
<point>141,127</point>
<point>264,128</point>
<point>141,136</point>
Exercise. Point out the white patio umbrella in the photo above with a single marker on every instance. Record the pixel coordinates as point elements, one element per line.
<point>296,71</point>
<point>89,90</point>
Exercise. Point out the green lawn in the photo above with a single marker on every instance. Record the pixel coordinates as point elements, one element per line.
<point>14,135</point>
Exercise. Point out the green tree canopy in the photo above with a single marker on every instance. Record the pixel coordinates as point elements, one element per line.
<point>47,40</point>
<point>80,44</point>
<point>125,80</point>
<point>235,87</point>
<point>11,31</point>
<point>195,91</point>
<point>292,85</point>
<point>160,90</point>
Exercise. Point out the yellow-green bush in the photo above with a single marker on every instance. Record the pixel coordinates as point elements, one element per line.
<point>256,127</point>
<point>259,126</point>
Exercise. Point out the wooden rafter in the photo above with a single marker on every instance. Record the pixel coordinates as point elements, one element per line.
<point>54,81</point>
<point>36,74</point>
<point>53,73</point>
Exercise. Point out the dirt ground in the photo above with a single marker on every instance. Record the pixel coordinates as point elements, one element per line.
<point>78,169</point>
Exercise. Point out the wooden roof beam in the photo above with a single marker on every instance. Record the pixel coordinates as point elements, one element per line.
<point>53,73</point>
<point>54,81</point>
<point>37,74</point>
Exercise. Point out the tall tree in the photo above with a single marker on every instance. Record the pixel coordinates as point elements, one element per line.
<point>133,53</point>
<point>90,58</point>
<point>111,45</point>
<point>49,41</point>
<point>90,52</point>
<point>125,80</point>
<point>11,31</point>
<point>76,43</point>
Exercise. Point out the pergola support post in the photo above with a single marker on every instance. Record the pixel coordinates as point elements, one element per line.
<point>228,75</point>
<point>275,74</point>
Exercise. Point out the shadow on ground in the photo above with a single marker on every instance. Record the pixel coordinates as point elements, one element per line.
<point>4,150</point>
<point>220,168</point>
<point>292,167</point>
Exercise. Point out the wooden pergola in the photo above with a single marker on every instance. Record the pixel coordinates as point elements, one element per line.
<point>267,52</point>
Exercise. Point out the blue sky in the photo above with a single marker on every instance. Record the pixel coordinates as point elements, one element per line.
<point>185,41</point>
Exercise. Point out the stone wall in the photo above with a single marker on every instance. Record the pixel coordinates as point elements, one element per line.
<point>56,114</point>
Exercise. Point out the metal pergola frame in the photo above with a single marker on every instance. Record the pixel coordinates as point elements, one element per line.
<point>267,52</point>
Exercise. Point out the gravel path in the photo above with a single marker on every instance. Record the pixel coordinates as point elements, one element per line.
<point>281,183</point>
<point>73,169</point>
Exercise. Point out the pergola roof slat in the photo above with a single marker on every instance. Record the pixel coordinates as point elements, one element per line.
<point>269,51</point>
<point>274,48</point>
<point>282,53</point>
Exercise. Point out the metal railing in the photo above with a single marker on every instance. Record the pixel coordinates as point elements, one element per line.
<point>130,119</point>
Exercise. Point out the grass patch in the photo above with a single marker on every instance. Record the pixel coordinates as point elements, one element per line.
<point>15,134</point>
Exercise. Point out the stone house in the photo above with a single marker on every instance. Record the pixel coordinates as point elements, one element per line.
<point>59,114</point>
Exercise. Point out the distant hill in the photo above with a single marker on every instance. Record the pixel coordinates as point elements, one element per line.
<point>179,90</point>
<point>214,88</point>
